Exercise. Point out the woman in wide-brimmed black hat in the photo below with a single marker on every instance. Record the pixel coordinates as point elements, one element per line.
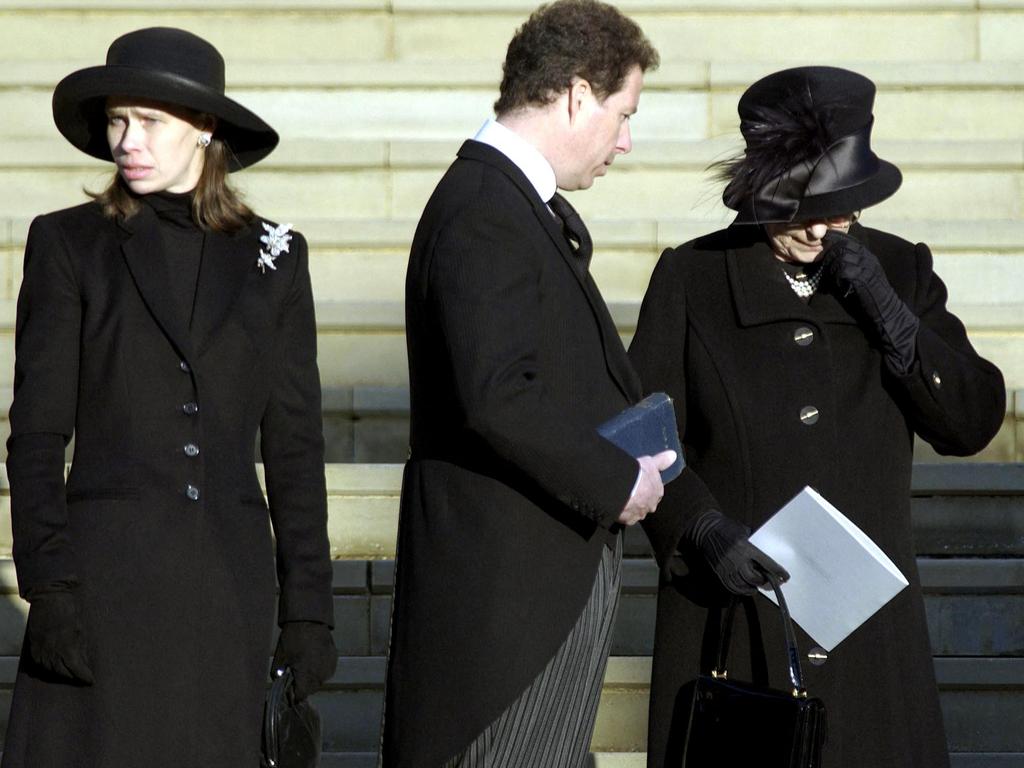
<point>803,348</point>
<point>163,325</point>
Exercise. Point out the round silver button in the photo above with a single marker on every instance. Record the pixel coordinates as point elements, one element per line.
<point>192,492</point>
<point>809,414</point>
<point>190,409</point>
<point>817,656</point>
<point>803,336</point>
<point>184,366</point>
<point>191,449</point>
<point>936,379</point>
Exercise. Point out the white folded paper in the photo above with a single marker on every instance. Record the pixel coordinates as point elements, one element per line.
<point>838,576</point>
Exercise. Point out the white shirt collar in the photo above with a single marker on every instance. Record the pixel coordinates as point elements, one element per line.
<point>523,154</point>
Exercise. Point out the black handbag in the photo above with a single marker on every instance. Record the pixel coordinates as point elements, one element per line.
<point>291,729</point>
<point>734,723</point>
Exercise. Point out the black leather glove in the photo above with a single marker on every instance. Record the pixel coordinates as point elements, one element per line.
<point>738,564</point>
<point>54,638</point>
<point>308,649</point>
<point>855,271</point>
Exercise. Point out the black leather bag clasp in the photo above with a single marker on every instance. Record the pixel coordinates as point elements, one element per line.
<point>291,730</point>
<point>733,723</point>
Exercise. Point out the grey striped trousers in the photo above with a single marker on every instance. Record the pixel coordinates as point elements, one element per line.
<point>551,723</point>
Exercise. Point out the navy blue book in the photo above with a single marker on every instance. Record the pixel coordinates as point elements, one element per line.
<point>647,428</point>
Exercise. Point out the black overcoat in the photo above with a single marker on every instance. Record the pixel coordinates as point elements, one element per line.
<point>509,493</point>
<point>177,593</point>
<point>723,333</point>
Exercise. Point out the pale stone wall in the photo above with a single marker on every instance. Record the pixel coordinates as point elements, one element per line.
<point>373,97</point>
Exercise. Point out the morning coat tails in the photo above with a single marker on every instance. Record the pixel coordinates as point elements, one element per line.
<point>509,493</point>
<point>162,525</point>
<point>723,333</point>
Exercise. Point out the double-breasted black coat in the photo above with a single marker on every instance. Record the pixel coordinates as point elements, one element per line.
<point>176,586</point>
<point>509,493</point>
<point>722,332</point>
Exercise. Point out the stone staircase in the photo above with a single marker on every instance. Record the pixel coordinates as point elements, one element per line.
<point>373,97</point>
<point>969,532</point>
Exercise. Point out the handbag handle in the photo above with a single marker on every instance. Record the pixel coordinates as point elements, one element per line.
<point>280,690</point>
<point>796,676</point>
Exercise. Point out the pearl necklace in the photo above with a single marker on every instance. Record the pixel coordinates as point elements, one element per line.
<point>804,285</point>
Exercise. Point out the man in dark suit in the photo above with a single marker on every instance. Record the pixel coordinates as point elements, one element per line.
<point>508,553</point>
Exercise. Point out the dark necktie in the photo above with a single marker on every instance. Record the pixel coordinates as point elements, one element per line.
<point>574,229</point>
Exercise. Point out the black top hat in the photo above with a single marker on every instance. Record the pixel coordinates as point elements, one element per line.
<point>808,153</point>
<point>166,65</point>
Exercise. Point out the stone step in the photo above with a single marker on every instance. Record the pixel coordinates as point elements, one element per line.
<point>313,154</point>
<point>350,706</point>
<point>998,480</point>
<point>978,696</point>
<point>370,425</point>
<point>986,288</point>
<point>972,687</point>
<point>663,179</point>
<point>709,31</point>
<point>597,760</point>
<point>362,504</point>
<point>986,284</point>
<point>494,6</point>
<point>439,97</point>
<point>377,432</point>
<point>336,69</point>
<point>629,193</point>
<point>973,608</point>
<point>363,511</point>
<point>363,343</point>
<point>350,355</point>
<point>640,233</point>
<point>973,605</point>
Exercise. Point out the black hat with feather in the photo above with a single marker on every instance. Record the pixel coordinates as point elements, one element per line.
<point>808,153</point>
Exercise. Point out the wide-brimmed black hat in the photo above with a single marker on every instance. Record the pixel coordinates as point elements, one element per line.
<point>166,65</point>
<point>808,148</point>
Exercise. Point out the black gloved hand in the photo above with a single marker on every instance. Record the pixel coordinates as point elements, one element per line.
<point>738,564</point>
<point>855,271</point>
<point>54,638</point>
<point>308,648</point>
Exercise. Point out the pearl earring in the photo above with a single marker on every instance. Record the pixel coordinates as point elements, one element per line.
<point>204,140</point>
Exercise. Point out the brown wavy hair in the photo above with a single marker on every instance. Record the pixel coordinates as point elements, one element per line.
<point>566,39</point>
<point>216,205</point>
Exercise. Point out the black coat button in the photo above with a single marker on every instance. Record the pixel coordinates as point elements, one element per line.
<point>191,409</point>
<point>191,449</point>
<point>809,414</point>
<point>803,336</point>
<point>192,492</point>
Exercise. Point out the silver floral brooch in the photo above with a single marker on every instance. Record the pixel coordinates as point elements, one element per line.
<point>276,241</point>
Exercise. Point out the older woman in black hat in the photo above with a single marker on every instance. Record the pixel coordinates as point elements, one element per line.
<point>803,348</point>
<point>163,325</point>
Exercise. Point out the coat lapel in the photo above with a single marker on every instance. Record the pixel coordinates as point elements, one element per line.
<point>614,353</point>
<point>227,261</point>
<point>141,245</point>
<point>762,294</point>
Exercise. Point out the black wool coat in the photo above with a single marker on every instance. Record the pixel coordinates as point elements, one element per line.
<point>509,493</point>
<point>722,332</point>
<point>176,593</point>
